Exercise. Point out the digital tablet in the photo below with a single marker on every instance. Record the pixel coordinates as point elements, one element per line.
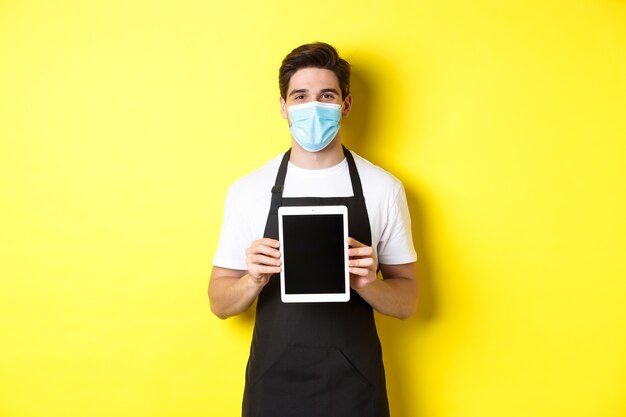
<point>314,254</point>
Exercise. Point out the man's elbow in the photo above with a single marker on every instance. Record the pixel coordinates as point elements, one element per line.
<point>408,310</point>
<point>408,313</point>
<point>216,309</point>
<point>219,313</point>
<point>220,316</point>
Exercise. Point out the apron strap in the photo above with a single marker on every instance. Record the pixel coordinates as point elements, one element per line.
<point>357,189</point>
<point>279,184</point>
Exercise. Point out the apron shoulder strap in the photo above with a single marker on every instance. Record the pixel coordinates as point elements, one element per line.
<point>279,184</point>
<point>357,188</point>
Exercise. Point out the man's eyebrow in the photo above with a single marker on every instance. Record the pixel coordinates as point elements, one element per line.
<point>299,91</point>
<point>322,91</point>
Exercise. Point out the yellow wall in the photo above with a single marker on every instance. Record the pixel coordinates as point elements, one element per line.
<point>123,123</point>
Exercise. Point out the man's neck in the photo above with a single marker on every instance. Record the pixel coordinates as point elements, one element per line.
<point>326,158</point>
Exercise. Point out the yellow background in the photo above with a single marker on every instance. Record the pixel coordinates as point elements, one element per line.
<point>122,123</point>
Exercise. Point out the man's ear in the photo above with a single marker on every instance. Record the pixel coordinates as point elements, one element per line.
<point>283,108</point>
<point>347,105</point>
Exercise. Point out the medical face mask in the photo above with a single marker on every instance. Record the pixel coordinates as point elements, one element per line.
<point>314,125</point>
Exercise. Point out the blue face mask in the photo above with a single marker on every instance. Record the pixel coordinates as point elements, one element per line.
<point>314,125</point>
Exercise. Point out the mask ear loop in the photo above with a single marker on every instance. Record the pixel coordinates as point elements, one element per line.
<point>342,108</point>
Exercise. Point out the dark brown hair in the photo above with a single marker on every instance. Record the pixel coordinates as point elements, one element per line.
<point>314,55</point>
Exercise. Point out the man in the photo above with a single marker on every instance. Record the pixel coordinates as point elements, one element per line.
<point>315,359</point>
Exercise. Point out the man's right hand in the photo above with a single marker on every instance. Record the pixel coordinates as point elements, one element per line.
<point>263,260</point>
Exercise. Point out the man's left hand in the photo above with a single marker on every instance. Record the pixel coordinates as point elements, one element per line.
<point>362,264</point>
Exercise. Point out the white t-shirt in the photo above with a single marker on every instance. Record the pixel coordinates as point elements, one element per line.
<point>248,203</point>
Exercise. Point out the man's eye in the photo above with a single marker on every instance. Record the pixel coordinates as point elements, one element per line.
<point>299,97</point>
<point>327,96</point>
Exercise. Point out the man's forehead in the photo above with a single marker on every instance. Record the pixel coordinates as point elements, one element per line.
<point>313,79</point>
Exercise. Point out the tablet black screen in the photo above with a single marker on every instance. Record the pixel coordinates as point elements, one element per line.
<point>314,259</point>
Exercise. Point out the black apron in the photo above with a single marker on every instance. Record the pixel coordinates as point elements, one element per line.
<point>315,359</point>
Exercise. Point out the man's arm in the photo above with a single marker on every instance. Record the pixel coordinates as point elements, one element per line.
<point>232,291</point>
<point>396,295</point>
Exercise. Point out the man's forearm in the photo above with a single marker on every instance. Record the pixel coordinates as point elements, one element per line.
<point>231,295</point>
<point>396,297</point>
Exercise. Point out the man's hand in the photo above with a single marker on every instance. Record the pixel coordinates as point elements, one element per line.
<point>232,291</point>
<point>263,260</point>
<point>362,264</point>
<point>395,295</point>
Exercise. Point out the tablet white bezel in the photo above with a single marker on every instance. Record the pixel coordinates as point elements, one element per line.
<point>318,297</point>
